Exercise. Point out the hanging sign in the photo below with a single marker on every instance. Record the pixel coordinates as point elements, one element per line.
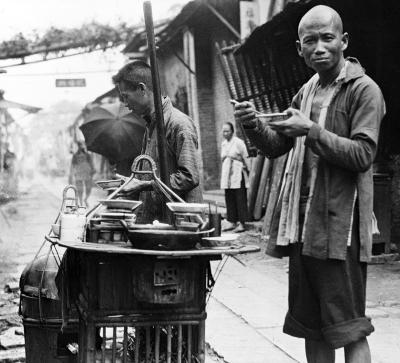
<point>249,18</point>
<point>70,82</point>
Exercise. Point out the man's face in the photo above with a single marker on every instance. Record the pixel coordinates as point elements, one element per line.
<point>135,98</point>
<point>322,44</point>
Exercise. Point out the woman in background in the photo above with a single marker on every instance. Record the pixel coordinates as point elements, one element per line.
<point>234,178</point>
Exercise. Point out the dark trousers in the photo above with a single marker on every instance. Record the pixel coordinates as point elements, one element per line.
<point>327,298</point>
<point>236,204</point>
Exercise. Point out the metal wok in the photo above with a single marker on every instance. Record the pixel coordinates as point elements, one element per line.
<point>165,240</point>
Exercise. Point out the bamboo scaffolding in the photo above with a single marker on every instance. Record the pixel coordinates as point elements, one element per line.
<point>269,79</point>
<point>227,72</point>
<point>235,74</point>
<point>244,76</point>
<point>253,83</point>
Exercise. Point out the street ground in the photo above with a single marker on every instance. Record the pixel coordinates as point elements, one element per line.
<point>248,303</point>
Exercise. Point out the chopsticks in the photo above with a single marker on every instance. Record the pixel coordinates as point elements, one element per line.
<point>276,114</point>
<point>261,114</point>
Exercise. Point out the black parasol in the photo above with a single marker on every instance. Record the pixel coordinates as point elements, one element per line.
<point>113,131</point>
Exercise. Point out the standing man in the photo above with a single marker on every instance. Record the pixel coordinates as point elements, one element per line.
<point>333,129</point>
<point>134,83</point>
<point>81,173</point>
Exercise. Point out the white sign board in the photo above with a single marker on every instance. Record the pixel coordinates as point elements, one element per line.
<point>249,18</point>
<point>70,82</point>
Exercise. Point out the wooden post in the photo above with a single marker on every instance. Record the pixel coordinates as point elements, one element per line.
<point>2,151</point>
<point>202,341</point>
<point>161,142</point>
<point>189,57</point>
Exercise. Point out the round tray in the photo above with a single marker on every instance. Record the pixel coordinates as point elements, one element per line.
<point>117,215</point>
<point>187,207</point>
<point>112,183</point>
<point>121,203</point>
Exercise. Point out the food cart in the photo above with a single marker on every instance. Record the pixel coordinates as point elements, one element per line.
<point>139,292</point>
<point>147,305</point>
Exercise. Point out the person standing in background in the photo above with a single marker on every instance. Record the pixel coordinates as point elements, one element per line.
<point>10,171</point>
<point>234,178</point>
<point>81,172</point>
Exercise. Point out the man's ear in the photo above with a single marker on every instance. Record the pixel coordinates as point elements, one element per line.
<point>298,46</point>
<point>345,41</point>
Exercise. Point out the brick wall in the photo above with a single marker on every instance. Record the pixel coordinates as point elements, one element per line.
<point>223,111</point>
<point>212,92</point>
<point>206,109</point>
<point>213,97</point>
<point>172,78</point>
<point>172,74</point>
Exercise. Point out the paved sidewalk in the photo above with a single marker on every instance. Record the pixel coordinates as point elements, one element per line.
<point>246,312</point>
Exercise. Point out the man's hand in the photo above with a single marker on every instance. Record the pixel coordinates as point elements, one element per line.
<point>136,186</point>
<point>245,115</point>
<point>296,125</point>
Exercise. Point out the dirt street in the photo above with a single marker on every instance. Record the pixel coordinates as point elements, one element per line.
<point>23,224</point>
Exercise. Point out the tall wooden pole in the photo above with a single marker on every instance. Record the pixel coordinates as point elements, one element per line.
<point>161,142</point>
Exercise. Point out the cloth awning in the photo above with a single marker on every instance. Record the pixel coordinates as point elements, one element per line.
<point>5,104</point>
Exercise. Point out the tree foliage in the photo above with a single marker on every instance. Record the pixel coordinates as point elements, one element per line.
<point>90,36</point>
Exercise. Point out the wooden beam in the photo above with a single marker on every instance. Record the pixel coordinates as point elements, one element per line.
<point>222,20</point>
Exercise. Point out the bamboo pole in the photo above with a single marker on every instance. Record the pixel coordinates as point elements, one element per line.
<point>276,182</point>
<point>254,181</point>
<point>262,186</point>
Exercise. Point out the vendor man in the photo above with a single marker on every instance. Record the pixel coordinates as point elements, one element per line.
<point>134,83</point>
<point>326,216</point>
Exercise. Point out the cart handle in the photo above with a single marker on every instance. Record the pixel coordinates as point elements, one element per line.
<point>147,158</point>
<point>66,197</point>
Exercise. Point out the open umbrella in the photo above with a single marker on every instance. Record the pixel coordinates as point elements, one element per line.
<point>113,131</point>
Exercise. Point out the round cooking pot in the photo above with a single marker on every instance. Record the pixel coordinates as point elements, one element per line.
<point>167,239</point>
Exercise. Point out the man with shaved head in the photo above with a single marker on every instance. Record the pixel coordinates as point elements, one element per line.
<point>325,220</point>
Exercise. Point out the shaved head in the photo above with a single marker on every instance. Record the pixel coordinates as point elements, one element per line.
<point>322,42</point>
<point>320,14</point>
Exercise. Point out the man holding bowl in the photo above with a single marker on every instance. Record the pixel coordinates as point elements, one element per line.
<point>325,223</point>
